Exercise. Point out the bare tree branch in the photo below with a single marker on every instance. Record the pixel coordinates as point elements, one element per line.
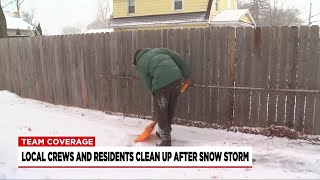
<point>102,17</point>
<point>29,16</point>
<point>21,2</point>
<point>272,14</point>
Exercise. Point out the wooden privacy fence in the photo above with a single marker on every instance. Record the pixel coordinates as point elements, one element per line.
<point>243,77</point>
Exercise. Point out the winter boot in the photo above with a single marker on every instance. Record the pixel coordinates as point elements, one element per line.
<point>164,143</point>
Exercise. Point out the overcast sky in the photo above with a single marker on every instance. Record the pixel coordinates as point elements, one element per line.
<point>56,14</point>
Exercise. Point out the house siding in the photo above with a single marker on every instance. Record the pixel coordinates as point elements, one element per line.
<point>152,7</point>
<point>223,5</point>
<point>246,19</point>
<point>12,32</point>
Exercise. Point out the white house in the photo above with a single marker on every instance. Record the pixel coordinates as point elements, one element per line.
<point>237,18</point>
<point>14,23</point>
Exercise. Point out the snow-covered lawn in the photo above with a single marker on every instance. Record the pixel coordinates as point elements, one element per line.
<point>276,157</point>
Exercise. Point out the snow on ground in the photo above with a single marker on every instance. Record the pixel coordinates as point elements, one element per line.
<point>276,157</point>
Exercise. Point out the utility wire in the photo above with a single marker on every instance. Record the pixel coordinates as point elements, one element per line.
<point>315,21</point>
<point>310,17</point>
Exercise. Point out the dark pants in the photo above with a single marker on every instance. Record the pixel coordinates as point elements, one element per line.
<point>164,106</point>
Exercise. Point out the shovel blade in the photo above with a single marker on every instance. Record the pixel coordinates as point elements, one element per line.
<point>146,133</point>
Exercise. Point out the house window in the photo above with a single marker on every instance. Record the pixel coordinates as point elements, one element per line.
<point>177,4</point>
<point>217,5</point>
<point>132,6</point>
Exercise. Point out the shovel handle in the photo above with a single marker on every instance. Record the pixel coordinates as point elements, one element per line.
<point>184,87</point>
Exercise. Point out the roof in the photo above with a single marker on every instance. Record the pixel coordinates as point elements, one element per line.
<point>15,23</point>
<point>232,16</point>
<point>159,19</point>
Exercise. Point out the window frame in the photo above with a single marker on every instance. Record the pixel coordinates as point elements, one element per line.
<point>128,8</point>
<point>217,5</point>
<point>174,5</point>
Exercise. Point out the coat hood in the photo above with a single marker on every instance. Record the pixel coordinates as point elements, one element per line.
<point>141,53</point>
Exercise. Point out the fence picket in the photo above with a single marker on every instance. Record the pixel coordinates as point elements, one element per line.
<point>194,58</point>
<point>214,55</point>
<point>292,74</point>
<point>264,73</point>
<point>256,77</point>
<point>272,84</point>
<point>312,72</point>
<point>247,78</point>
<point>303,58</point>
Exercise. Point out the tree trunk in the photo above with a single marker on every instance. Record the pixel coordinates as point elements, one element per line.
<point>18,8</point>
<point>3,24</point>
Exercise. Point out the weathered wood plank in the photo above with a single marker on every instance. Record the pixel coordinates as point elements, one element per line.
<point>4,58</point>
<point>230,78</point>
<point>283,63</point>
<point>94,73</point>
<point>70,69</point>
<point>256,77</point>
<point>79,68</point>
<point>199,73</point>
<point>100,58</point>
<point>274,70</point>
<point>83,83</point>
<point>121,53</point>
<point>19,83</point>
<point>57,91</point>
<point>115,71</point>
<point>180,48</point>
<point>2,67</point>
<point>108,96</point>
<point>130,71</point>
<point>186,95</point>
<point>226,75</point>
<point>215,56</point>
<point>22,75</point>
<point>247,78</point>
<point>316,127</point>
<point>47,59</point>
<point>206,75</point>
<point>150,42</point>
<point>311,78</point>
<point>126,69</point>
<point>303,59</point>
<point>194,58</point>
<point>292,73</point>
<point>88,59</point>
<point>266,33</point>
<point>239,71</point>
<point>141,90</point>
<point>164,38</point>
<point>136,97</point>
<point>35,52</point>
<point>27,62</point>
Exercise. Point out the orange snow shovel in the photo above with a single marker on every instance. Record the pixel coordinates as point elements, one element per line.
<point>151,126</point>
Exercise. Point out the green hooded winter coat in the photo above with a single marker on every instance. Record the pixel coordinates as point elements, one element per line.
<point>160,66</point>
